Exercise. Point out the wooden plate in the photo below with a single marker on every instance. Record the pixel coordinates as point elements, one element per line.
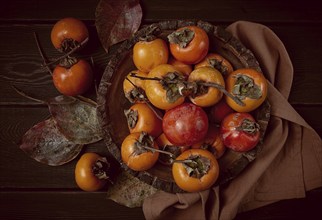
<point>112,102</point>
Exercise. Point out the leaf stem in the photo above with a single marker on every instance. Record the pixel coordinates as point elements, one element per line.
<point>95,81</point>
<point>20,92</point>
<point>42,53</point>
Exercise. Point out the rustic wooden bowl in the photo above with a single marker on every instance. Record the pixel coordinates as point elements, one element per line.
<point>112,102</point>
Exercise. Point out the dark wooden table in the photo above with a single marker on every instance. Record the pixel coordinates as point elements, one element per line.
<point>30,190</point>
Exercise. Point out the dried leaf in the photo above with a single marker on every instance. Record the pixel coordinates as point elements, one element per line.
<point>76,119</point>
<point>44,143</point>
<point>129,191</point>
<point>117,20</point>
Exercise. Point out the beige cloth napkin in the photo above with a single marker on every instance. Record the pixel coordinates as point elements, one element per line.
<point>291,160</point>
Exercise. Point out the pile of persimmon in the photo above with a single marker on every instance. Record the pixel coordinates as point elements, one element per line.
<point>188,106</point>
<point>72,76</point>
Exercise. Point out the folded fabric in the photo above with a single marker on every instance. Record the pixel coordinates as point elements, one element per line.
<point>289,164</point>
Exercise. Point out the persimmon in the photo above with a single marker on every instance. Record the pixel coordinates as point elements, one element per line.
<point>249,85</point>
<point>212,142</point>
<point>185,124</point>
<point>240,131</point>
<point>219,111</point>
<point>206,95</point>
<point>195,170</point>
<point>91,172</point>
<point>150,53</point>
<point>180,66</point>
<point>140,117</point>
<point>133,87</point>
<point>137,151</point>
<point>162,93</point>
<point>73,80</point>
<point>189,44</point>
<point>68,33</point>
<point>218,62</point>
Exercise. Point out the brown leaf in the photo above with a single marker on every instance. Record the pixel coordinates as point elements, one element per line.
<point>44,143</point>
<point>117,20</point>
<point>129,191</point>
<point>76,119</point>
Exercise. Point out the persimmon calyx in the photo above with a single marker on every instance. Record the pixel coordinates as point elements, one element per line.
<point>68,44</point>
<point>68,61</point>
<point>101,168</point>
<point>196,165</point>
<point>181,37</point>
<point>148,38</point>
<point>249,126</point>
<point>132,117</point>
<point>218,64</point>
<point>144,144</point>
<point>246,87</point>
<point>173,83</point>
<point>137,94</point>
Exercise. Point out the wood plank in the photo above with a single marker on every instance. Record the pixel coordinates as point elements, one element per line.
<point>304,49</point>
<point>35,10</point>
<point>229,11</point>
<point>304,208</point>
<point>94,205</point>
<point>19,63</point>
<point>219,11</point>
<point>63,205</point>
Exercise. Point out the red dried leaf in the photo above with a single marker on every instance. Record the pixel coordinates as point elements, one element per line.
<point>44,143</point>
<point>76,119</point>
<point>117,20</point>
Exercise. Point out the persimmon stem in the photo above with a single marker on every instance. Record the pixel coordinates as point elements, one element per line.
<point>223,90</point>
<point>42,53</point>
<point>185,161</point>
<point>145,100</point>
<point>67,54</point>
<point>145,78</point>
<point>95,82</point>
<point>208,84</point>
<point>160,151</point>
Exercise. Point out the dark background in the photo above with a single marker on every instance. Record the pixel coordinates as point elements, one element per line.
<point>30,190</point>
